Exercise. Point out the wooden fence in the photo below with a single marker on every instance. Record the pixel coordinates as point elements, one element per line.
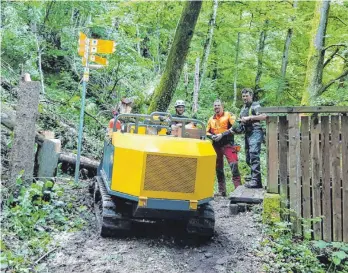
<point>307,157</point>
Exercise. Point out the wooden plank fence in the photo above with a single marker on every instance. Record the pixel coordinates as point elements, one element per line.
<point>307,164</point>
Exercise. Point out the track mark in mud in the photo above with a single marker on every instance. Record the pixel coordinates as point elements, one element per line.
<point>158,250</point>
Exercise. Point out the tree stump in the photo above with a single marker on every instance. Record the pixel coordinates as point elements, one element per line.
<point>23,149</point>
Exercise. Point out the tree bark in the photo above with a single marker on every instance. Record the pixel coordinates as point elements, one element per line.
<point>196,88</point>
<point>285,57</point>
<point>85,162</point>
<point>236,71</point>
<point>177,55</point>
<point>186,81</point>
<point>22,152</point>
<point>260,53</point>
<point>207,44</point>
<point>138,39</point>
<point>315,64</point>
<point>39,60</point>
<point>8,120</point>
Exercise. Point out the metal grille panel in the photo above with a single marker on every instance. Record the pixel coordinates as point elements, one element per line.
<point>170,173</point>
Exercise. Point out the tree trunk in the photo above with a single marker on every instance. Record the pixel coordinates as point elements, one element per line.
<point>285,60</point>
<point>186,81</point>
<point>85,162</point>
<point>315,64</point>
<point>260,53</point>
<point>236,71</point>
<point>158,47</point>
<point>207,44</point>
<point>22,152</point>
<point>177,55</point>
<point>196,88</point>
<point>8,119</point>
<point>39,53</point>
<point>138,39</point>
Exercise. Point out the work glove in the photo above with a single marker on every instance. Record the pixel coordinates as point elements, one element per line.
<point>217,137</point>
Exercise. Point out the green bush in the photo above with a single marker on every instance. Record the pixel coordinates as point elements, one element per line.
<point>29,220</point>
<point>282,251</point>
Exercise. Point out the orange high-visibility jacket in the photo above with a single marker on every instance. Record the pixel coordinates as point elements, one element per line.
<point>218,124</point>
<point>111,124</point>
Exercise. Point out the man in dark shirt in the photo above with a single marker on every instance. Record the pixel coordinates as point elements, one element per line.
<point>179,109</point>
<point>250,120</point>
<point>179,113</point>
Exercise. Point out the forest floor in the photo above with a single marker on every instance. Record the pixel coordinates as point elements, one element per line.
<point>232,249</point>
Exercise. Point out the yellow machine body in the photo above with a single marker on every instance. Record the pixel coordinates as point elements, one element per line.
<point>162,167</point>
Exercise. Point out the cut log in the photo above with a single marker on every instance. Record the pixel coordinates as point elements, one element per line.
<point>68,161</point>
<point>85,161</point>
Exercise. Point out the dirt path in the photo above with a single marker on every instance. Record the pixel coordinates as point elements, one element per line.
<point>230,250</point>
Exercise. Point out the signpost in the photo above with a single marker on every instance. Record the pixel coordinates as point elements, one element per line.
<point>86,47</point>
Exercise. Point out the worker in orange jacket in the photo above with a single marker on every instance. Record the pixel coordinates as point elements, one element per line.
<point>219,129</point>
<point>112,121</point>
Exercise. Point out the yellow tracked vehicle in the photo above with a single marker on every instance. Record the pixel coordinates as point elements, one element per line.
<point>150,172</point>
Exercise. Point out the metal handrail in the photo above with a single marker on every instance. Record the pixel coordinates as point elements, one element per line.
<point>166,118</point>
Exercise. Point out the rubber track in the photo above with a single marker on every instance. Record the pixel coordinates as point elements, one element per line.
<point>112,223</point>
<point>203,225</point>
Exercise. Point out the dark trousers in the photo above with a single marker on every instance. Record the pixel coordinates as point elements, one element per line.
<point>232,158</point>
<point>253,140</point>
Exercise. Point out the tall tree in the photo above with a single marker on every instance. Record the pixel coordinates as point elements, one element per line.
<point>177,55</point>
<point>196,89</point>
<point>260,53</point>
<point>236,70</point>
<point>315,64</point>
<point>207,43</point>
<point>285,57</point>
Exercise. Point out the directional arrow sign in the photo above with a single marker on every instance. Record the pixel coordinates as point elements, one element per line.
<point>82,49</point>
<point>98,60</point>
<point>82,38</point>
<point>97,46</point>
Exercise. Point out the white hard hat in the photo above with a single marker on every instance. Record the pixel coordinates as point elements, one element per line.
<point>179,103</point>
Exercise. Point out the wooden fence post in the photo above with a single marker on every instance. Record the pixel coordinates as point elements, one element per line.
<point>335,159</point>
<point>305,156</point>
<point>316,198</point>
<point>344,123</point>
<point>272,155</point>
<point>295,171</point>
<point>326,197</point>
<point>283,160</point>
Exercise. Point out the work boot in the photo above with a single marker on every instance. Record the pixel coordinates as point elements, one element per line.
<point>223,194</point>
<point>247,178</point>
<point>253,185</point>
<point>236,181</point>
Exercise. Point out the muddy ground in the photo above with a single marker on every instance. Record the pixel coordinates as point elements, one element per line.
<point>159,249</point>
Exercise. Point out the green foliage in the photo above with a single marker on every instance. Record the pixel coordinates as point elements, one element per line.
<point>144,32</point>
<point>336,253</point>
<point>30,220</point>
<point>282,251</point>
